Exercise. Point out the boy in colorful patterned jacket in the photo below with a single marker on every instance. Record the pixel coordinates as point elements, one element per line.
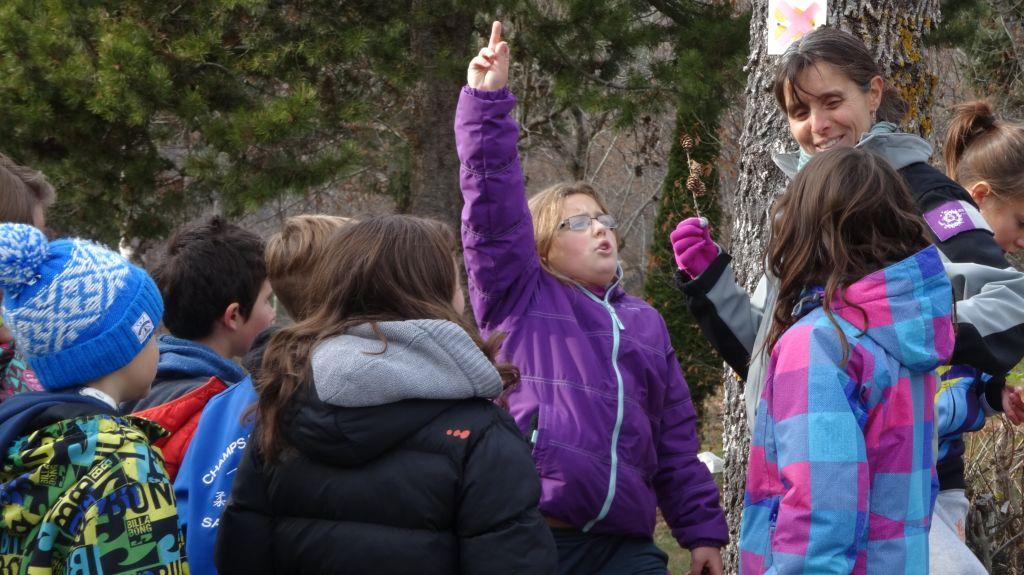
<point>841,474</point>
<point>81,489</point>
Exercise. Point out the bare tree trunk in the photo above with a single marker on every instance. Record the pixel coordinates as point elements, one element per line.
<point>893,29</point>
<point>764,131</point>
<point>434,178</point>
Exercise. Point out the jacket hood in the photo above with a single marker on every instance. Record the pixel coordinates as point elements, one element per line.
<point>187,359</point>
<point>898,148</point>
<point>38,465</point>
<point>26,412</point>
<point>422,359</point>
<point>906,308</point>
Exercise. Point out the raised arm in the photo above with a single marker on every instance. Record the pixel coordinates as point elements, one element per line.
<point>497,231</point>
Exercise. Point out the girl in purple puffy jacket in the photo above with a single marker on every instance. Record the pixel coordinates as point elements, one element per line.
<point>601,396</point>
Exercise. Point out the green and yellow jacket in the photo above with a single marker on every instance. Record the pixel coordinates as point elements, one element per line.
<point>82,491</point>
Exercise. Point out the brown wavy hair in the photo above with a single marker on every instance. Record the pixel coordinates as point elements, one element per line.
<point>293,252</point>
<point>388,268</point>
<point>847,54</point>
<point>981,147</point>
<point>846,214</point>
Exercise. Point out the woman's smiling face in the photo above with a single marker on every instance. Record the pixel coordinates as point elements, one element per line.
<point>828,109</point>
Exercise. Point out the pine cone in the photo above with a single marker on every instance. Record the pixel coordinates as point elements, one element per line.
<point>695,184</point>
<point>686,142</point>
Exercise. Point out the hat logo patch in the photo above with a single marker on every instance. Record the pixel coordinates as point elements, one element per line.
<point>143,328</point>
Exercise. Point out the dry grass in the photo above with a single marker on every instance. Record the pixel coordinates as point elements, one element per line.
<point>995,478</point>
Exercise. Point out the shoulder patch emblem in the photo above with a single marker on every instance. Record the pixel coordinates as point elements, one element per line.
<point>954,217</point>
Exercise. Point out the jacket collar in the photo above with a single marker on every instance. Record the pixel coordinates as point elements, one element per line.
<point>898,148</point>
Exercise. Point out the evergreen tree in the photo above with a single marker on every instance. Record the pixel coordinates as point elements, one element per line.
<point>139,113</point>
<point>142,113</point>
<point>709,48</point>
<point>989,33</point>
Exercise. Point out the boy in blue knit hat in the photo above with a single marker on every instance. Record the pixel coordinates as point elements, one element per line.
<point>81,490</point>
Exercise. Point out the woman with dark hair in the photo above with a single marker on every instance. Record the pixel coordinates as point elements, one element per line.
<point>839,478</point>
<point>377,447</point>
<point>830,88</point>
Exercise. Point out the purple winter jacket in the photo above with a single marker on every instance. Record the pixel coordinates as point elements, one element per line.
<point>601,397</point>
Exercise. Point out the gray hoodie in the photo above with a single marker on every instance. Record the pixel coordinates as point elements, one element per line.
<point>422,359</point>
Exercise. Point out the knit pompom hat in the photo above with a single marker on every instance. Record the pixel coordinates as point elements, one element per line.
<point>77,310</point>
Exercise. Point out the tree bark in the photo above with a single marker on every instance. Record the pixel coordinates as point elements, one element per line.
<point>434,165</point>
<point>894,30</point>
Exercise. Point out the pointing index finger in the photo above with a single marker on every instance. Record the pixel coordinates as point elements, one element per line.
<point>495,36</point>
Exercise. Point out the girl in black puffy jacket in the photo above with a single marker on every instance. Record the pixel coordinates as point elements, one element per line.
<point>377,446</point>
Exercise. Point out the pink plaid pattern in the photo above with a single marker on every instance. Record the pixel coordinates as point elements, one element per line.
<point>841,473</point>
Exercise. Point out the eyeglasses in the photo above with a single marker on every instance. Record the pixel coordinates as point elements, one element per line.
<point>581,222</point>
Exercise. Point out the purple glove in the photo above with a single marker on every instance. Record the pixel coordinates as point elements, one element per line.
<point>692,246</point>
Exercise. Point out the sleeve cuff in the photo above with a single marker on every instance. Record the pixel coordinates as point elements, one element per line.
<point>492,95</point>
<point>705,282</point>
<point>705,543</point>
<point>994,395</point>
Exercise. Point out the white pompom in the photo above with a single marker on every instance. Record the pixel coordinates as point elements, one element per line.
<point>22,251</point>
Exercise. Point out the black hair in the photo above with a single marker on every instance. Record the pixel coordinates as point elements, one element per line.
<point>203,269</point>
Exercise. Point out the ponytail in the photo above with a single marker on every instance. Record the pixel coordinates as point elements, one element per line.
<point>970,121</point>
<point>981,147</point>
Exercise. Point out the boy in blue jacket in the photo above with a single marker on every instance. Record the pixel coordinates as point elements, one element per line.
<point>204,481</point>
<point>213,280</point>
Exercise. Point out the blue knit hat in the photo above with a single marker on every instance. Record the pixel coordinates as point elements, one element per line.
<point>77,310</point>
